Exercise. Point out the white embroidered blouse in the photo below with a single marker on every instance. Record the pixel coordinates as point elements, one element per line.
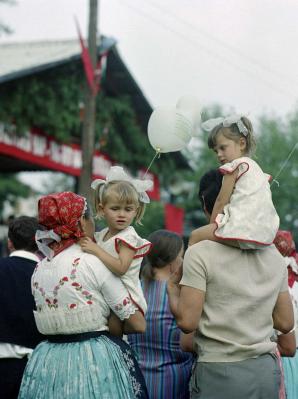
<point>141,246</point>
<point>74,293</point>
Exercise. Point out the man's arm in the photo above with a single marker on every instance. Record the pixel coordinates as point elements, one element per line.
<point>283,315</point>
<point>286,344</point>
<point>186,303</point>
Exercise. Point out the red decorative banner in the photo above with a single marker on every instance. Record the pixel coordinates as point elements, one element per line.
<point>36,147</point>
<point>87,62</point>
<point>174,218</point>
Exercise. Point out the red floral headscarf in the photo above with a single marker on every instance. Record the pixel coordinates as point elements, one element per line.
<point>60,214</point>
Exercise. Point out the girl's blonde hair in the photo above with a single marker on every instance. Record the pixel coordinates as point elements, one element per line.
<point>120,191</point>
<point>233,133</point>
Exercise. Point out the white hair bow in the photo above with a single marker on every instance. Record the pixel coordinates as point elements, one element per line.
<point>210,124</point>
<point>118,173</point>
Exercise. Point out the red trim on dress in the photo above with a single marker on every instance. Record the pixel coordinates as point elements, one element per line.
<point>137,305</point>
<point>228,172</point>
<point>239,239</point>
<point>117,239</point>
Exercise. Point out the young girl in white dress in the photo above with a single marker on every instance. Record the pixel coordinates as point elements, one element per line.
<point>243,215</point>
<point>121,200</point>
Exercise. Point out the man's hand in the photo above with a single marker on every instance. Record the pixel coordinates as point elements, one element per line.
<point>176,275</point>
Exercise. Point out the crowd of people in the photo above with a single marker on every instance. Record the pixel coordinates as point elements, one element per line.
<point>110,314</point>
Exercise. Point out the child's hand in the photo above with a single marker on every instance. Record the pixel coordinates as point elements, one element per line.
<point>88,245</point>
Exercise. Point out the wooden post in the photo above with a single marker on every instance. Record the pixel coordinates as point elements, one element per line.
<point>88,134</point>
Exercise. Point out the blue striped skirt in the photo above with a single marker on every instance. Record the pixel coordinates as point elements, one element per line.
<point>103,368</point>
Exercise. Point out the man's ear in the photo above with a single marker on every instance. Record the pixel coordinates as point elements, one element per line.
<point>10,246</point>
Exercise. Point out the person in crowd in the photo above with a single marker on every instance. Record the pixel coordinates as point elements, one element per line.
<point>120,201</point>
<point>243,214</point>
<point>232,300</point>
<point>165,366</point>
<point>74,293</point>
<point>286,246</point>
<point>18,332</point>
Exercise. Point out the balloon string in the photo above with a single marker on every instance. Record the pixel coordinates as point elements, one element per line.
<point>157,154</point>
<point>284,165</point>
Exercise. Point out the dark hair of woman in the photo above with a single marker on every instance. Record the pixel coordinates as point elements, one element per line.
<point>166,246</point>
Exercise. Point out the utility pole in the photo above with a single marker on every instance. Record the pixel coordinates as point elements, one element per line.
<point>88,135</point>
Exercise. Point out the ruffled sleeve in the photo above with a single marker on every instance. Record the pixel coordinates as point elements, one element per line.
<point>141,246</point>
<point>117,297</point>
<point>242,164</point>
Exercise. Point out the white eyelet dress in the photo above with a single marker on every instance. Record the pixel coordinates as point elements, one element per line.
<point>250,217</point>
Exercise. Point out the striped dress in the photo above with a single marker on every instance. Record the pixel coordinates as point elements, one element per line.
<point>166,368</point>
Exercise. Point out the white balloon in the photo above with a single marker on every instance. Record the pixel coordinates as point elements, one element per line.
<point>169,130</point>
<point>190,107</point>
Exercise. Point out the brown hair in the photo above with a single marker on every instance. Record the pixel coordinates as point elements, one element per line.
<point>233,133</point>
<point>121,191</point>
<point>166,246</point>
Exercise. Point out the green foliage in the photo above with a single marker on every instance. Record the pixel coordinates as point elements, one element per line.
<point>56,182</point>
<point>50,100</point>
<point>11,189</point>
<point>275,143</point>
<point>152,220</point>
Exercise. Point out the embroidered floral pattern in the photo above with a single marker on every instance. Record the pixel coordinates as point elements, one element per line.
<point>52,302</point>
<point>137,387</point>
<point>129,361</point>
<point>126,301</point>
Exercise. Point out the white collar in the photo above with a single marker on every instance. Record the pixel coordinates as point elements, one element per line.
<point>25,254</point>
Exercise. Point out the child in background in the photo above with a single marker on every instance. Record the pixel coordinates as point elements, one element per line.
<point>243,215</point>
<point>121,200</point>
<point>165,366</point>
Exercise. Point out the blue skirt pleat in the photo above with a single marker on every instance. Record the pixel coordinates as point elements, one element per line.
<point>290,366</point>
<point>101,368</point>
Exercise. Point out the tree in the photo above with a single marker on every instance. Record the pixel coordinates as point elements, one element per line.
<point>5,29</point>
<point>275,143</point>
<point>11,189</point>
<point>88,134</point>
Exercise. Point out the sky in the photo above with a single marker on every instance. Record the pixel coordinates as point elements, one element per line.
<point>241,54</point>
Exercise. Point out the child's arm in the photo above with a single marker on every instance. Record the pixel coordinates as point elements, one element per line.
<point>224,195</point>
<point>118,266</point>
<point>115,325</point>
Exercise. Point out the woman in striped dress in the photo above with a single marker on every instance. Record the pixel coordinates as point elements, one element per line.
<point>165,366</point>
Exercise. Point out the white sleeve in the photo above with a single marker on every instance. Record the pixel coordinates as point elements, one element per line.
<point>111,287</point>
<point>117,297</point>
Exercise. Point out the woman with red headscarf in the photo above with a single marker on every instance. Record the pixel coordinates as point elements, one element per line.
<point>285,244</point>
<point>74,293</point>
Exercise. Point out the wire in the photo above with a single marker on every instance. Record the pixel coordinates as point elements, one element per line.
<point>284,165</point>
<point>207,50</point>
<point>228,46</point>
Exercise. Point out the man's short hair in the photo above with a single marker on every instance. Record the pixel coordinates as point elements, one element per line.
<point>210,185</point>
<point>21,232</point>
